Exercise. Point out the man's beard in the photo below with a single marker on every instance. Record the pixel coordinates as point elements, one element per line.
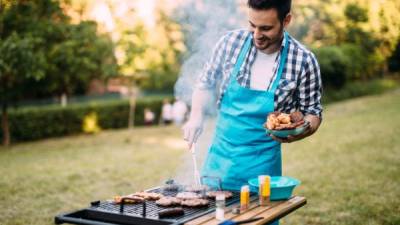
<point>269,41</point>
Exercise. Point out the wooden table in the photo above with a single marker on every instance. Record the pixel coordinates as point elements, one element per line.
<point>275,210</point>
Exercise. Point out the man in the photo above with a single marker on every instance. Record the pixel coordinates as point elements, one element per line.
<point>255,72</point>
<point>166,112</point>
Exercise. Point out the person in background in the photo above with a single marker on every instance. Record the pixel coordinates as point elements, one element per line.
<point>179,111</point>
<point>148,116</point>
<point>255,72</point>
<point>166,112</point>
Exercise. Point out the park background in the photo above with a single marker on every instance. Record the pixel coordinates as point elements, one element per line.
<point>76,76</point>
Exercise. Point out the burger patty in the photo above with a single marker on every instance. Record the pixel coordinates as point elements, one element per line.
<point>197,202</point>
<point>168,201</point>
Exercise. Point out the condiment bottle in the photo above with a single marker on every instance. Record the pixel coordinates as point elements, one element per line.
<point>220,204</point>
<point>244,197</point>
<point>264,189</point>
<point>267,189</point>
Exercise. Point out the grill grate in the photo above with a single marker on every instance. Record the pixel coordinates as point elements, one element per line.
<point>152,209</point>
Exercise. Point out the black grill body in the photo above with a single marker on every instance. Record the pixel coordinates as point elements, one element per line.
<point>109,213</point>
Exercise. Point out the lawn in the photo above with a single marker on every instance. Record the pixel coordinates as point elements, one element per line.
<point>350,169</point>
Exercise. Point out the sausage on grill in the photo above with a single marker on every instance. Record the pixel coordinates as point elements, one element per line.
<point>148,195</point>
<point>171,212</point>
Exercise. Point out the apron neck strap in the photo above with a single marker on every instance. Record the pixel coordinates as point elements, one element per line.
<point>245,49</point>
<point>242,55</point>
<point>281,62</point>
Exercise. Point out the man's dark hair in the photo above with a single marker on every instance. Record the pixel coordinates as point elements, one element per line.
<point>282,6</point>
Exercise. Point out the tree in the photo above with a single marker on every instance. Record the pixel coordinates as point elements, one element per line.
<point>372,25</point>
<point>81,56</point>
<point>42,53</point>
<point>18,61</point>
<point>394,60</point>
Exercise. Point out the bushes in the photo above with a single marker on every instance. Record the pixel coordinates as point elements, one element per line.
<point>340,64</point>
<point>333,64</point>
<point>33,123</point>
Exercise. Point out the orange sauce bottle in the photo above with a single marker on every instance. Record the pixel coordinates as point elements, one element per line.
<point>244,198</point>
<point>264,190</point>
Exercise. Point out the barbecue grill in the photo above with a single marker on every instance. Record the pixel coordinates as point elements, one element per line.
<point>109,213</point>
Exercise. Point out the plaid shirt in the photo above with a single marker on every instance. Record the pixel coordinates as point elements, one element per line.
<point>300,87</point>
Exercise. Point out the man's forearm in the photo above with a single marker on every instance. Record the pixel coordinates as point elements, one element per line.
<point>200,98</point>
<point>314,121</point>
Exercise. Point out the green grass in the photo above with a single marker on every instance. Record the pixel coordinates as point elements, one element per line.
<point>350,169</point>
<point>42,179</point>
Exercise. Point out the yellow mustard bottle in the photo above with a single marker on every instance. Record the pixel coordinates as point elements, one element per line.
<point>244,198</point>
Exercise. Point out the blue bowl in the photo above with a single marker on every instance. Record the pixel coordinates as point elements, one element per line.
<point>281,187</point>
<point>286,133</point>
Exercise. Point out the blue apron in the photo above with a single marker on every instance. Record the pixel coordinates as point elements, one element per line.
<point>241,149</point>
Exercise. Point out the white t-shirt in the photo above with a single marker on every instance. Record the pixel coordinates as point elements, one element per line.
<point>262,70</point>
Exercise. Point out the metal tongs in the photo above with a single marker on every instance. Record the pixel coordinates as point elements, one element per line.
<point>196,173</point>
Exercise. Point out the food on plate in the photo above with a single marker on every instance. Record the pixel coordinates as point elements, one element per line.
<point>171,212</point>
<point>296,116</point>
<point>272,121</point>
<point>283,121</point>
<point>283,118</point>
<point>213,194</point>
<point>168,201</point>
<point>188,195</point>
<point>195,202</point>
<point>129,199</point>
<point>148,195</point>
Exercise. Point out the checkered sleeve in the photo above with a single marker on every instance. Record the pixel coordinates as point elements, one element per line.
<point>310,87</point>
<point>212,70</point>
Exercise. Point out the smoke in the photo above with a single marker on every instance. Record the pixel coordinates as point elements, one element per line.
<point>204,23</point>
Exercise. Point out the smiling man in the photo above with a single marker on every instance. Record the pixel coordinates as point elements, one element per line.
<point>255,72</point>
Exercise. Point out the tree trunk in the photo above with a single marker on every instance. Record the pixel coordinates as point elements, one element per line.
<point>64,100</point>
<point>132,106</point>
<point>4,125</point>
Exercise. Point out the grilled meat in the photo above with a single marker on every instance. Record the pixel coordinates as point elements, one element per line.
<point>283,121</point>
<point>296,116</point>
<point>171,212</point>
<point>168,201</point>
<point>148,195</point>
<point>196,202</point>
<point>129,199</point>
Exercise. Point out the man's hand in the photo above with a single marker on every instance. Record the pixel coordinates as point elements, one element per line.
<point>314,122</point>
<point>192,130</point>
